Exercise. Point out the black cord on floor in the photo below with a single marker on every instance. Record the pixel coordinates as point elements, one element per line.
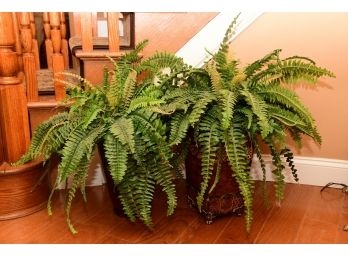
<point>344,186</point>
<point>344,190</point>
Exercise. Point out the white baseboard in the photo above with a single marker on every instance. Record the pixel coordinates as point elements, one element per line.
<point>311,170</point>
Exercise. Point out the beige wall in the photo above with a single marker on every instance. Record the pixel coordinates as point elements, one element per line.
<point>324,38</point>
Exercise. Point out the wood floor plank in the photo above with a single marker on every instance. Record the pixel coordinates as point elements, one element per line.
<point>314,231</point>
<point>341,235</point>
<point>304,217</point>
<point>202,233</point>
<point>170,229</point>
<point>283,222</point>
<point>51,228</point>
<point>236,232</point>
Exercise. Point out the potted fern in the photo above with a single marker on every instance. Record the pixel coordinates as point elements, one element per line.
<point>119,116</point>
<point>227,111</point>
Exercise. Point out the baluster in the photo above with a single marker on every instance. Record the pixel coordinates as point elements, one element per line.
<point>65,50</point>
<point>48,41</point>
<point>15,19</point>
<point>29,61</point>
<point>57,57</point>
<point>35,48</point>
<point>114,39</point>
<point>86,32</point>
<point>14,122</point>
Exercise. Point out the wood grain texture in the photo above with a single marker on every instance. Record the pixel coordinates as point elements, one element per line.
<point>58,66</point>
<point>29,61</point>
<point>35,48</point>
<point>284,222</point>
<point>13,110</point>
<point>96,222</point>
<point>168,31</point>
<point>86,32</point>
<point>20,193</point>
<point>48,41</point>
<point>113,35</point>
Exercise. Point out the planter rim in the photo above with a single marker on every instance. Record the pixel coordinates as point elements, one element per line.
<point>8,170</point>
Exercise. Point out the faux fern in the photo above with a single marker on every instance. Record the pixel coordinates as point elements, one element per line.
<point>120,115</point>
<point>241,106</point>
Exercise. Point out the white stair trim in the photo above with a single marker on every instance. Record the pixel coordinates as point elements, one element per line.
<point>209,38</point>
<point>311,170</point>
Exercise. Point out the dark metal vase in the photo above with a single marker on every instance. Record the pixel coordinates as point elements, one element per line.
<point>224,199</point>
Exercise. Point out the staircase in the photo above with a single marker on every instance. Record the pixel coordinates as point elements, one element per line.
<point>30,95</point>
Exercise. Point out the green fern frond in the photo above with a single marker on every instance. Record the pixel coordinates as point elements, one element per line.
<point>259,108</point>
<point>133,56</point>
<point>163,176</point>
<point>289,158</point>
<point>235,145</point>
<point>78,179</point>
<point>178,127</point>
<point>91,113</point>
<point>39,137</point>
<point>144,190</point>
<point>143,102</point>
<point>208,140</point>
<point>221,56</point>
<point>129,88</point>
<point>251,69</point>
<point>200,107</point>
<point>79,144</point>
<point>116,156</point>
<point>263,168</point>
<point>288,118</point>
<point>123,129</point>
<point>294,70</point>
<point>160,61</point>
<point>220,153</point>
<point>283,96</point>
<point>228,103</point>
<point>113,92</point>
<point>278,172</point>
<point>215,77</point>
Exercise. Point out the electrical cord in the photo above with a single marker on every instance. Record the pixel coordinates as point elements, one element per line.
<point>344,190</point>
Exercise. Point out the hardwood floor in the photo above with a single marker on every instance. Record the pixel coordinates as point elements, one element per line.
<point>305,216</point>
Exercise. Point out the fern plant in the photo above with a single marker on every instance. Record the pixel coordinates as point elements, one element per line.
<point>230,106</point>
<point>120,115</point>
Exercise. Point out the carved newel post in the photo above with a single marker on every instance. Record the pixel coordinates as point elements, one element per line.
<point>13,103</point>
<point>16,183</point>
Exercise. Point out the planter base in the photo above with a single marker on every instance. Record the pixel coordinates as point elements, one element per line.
<point>217,205</point>
<point>225,198</point>
<point>20,193</point>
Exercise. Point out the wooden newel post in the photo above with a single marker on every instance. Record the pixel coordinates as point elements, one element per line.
<point>14,123</point>
<point>57,56</point>
<point>29,61</point>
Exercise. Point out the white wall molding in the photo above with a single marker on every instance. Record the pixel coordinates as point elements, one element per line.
<point>311,170</point>
<point>209,38</point>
